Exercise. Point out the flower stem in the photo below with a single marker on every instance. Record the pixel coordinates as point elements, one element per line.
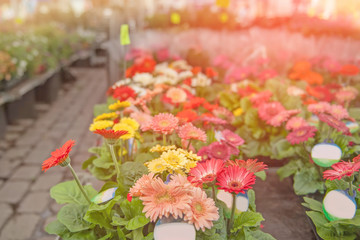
<point>351,192</point>
<point>113,156</point>
<point>233,207</point>
<point>188,146</point>
<point>77,180</point>
<point>164,139</point>
<point>213,192</point>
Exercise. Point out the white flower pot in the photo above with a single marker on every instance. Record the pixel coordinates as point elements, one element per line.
<point>326,154</point>
<point>338,204</point>
<point>174,229</point>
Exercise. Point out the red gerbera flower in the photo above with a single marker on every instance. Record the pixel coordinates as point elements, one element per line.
<point>194,102</point>
<point>251,164</point>
<point>341,169</point>
<point>356,159</point>
<point>219,150</point>
<point>110,134</point>
<point>58,156</point>
<point>335,123</point>
<point>301,134</point>
<point>188,115</point>
<point>235,179</point>
<point>206,172</point>
<point>210,72</point>
<point>123,93</point>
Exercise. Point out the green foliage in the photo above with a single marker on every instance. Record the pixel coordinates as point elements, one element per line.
<point>229,100</point>
<point>289,169</point>
<point>71,216</point>
<point>132,171</point>
<point>100,109</point>
<point>69,192</point>
<point>307,180</point>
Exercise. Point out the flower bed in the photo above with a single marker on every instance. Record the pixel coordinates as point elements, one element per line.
<point>177,153</point>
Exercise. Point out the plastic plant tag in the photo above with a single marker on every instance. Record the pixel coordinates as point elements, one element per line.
<point>223,3</point>
<point>326,154</point>
<point>124,35</point>
<point>242,201</point>
<point>174,229</point>
<point>104,196</point>
<point>353,126</point>
<point>337,204</point>
<point>175,18</point>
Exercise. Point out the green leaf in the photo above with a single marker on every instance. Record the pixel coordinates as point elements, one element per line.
<point>144,157</point>
<point>336,184</point>
<point>121,234</point>
<point>247,219</point>
<point>69,192</point>
<point>261,175</point>
<point>118,221</point>
<point>257,234</point>
<point>89,161</point>
<point>312,204</point>
<point>251,197</point>
<point>288,169</point>
<point>307,181</point>
<point>137,222</point>
<point>355,113</point>
<point>100,109</point>
<point>150,236</point>
<point>88,235</point>
<point>282,149</point>
<point>72,215</point>
<point>137,234</point>
<point>107,236</point>
<point>104,161</point>
<point>56,228</point>
<point>131,172</point>
<point>132,209</point>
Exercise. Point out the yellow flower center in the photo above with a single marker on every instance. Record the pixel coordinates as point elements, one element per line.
<point>164,123</point>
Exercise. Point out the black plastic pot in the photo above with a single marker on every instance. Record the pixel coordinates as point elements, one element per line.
<point>3,122</point>
<point>21,108</point>
<point>48,91</point>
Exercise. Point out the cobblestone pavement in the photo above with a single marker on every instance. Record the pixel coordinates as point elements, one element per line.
<point>25,203</point>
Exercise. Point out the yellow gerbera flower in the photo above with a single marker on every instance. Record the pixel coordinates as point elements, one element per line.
<point>101,125</point>
<point>106,116</point>
<point>237,112</point>
<point>189,166</point>
<point>190,155</point>
<point>156,166</point>
<point>174,159</point>
<point>131,122</point>
<point>119,105</point>
<point>159,148</point>
<point>125,127</point>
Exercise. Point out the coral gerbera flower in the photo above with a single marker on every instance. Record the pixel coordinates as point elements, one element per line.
<point>106,116</point>
<point>267,111</point>
<point>232,138</point>
<point>142,118</point>
<point>102,124</point>
<point>251,164</point>
<point>59,156</point>
<point>301,134</point>
<point>119,105</point>
<point>295,123</point>
<point>206,172</point>
<point>164,123</point>
<point>219,150</point>
<point>235,179</point>
<point>161,200</point>
<point>338,112</point>
<point>110,134</point>
<point>341,169</point>
<point>278,119</point>
<point>203,210</point>
<point>142,183</point>
<point>214,120</point>
<point>335,123</point>
<point>189,131</point>
<point>320,107</point>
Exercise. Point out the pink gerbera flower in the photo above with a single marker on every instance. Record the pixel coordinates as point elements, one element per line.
<point>214,120</point>
<point>203,210</point>
<point>164,123</point>
<point>232,138</point>
<point>341,169</point>
<point>335,123</point>
<point>320,107</point>
<point>278,119</point>
<point>338,112</point>
<point>223,113</point>
<point>143,119</point>
<point>189,131</point>
<point>251,164</point>
<point>176,95</point>
<point>295,123</point>
<point>204,153</point>
<point>260,98</point>
<point>161,200</point>
<point>219,150</point>
<point>267,111</point>
<point>206,172</point>
<point>235,179</point>
<point>301,134</point>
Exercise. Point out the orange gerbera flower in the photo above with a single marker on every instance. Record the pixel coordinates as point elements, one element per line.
<point>110,134</point>
<point>59,156</point>
<point>349,70</point>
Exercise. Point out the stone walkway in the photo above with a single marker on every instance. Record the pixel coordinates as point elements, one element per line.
<point>25,203</point>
